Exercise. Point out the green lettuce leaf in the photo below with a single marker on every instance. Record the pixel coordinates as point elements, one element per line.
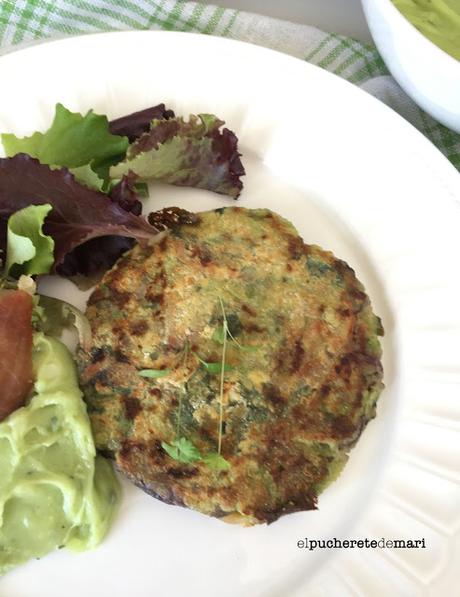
<point>194,153</point>
<point>29,250</point>
<point>86,175</point>
<point>72,140</point>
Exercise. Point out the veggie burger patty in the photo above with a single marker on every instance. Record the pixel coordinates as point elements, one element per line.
<point>231,332</point>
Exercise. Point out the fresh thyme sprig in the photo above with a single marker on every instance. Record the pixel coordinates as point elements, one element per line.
<point>215,368</point>
<point>222,375</point>
<point>181,448</point>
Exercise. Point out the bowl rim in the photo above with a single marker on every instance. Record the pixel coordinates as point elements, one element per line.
<point>398,15</point>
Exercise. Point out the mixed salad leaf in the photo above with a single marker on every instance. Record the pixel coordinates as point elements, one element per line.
<point>194,153</point>
<point>70,196</point>
<point>78,213</point>
<point>82,143</point>
<point>100,253</point>
<point>29,250</point>
<point>134,125</point>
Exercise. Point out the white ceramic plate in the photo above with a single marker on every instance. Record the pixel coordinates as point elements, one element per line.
<point>357,179</point>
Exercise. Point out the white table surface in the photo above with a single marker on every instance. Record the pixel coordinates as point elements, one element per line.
<point>335,16</point>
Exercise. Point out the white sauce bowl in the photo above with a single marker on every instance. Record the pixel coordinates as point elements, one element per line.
<point>430,76</point>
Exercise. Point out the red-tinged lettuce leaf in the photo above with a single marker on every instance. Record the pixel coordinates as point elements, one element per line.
<point>79,214</point>
<point>196,153</point>
<point>134,125</point>
<point>94,257</point>
<point>126,195</point>
<point>99,254</point>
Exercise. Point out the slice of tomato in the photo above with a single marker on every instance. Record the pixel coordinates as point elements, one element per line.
<point>16,375</point>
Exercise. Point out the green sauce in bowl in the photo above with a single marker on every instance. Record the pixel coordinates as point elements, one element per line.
<point>438,20</point>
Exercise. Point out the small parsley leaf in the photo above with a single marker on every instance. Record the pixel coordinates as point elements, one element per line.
<point>154,373</point>
<point>216,462</point>
<point>182,450</point>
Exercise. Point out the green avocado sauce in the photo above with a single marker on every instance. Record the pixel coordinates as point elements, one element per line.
<point>438,20</point>
<point>54,491</point>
